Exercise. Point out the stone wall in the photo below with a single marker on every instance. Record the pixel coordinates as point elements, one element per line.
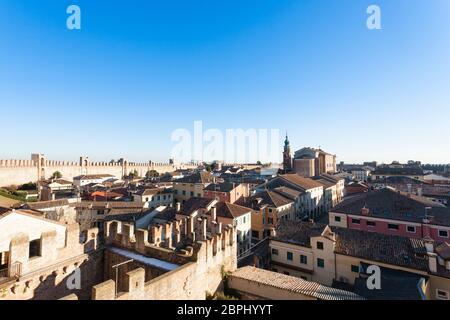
<point>46,277</point>
<point>203,263</point>
<point>17,172</point>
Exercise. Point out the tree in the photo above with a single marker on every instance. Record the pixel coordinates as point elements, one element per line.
<point>56,175</point>
<point>258,163</point>
<point>134,174</point>
<point>152,174</point>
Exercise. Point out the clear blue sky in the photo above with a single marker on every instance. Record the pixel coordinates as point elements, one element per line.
<point>140,69</point>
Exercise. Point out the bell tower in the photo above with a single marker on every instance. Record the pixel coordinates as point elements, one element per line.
<point>287,159</point>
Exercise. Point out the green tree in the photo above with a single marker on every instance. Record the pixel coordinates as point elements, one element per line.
<point>134,174</point>
<point>56,175</point>
<point>152,174</point>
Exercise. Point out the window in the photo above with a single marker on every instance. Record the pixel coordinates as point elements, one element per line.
<point>4,260</point>
<point>442,295</point>
<point>289,256</point>
<point>443,233</point>
<point>146,199</point>
<point>356,221</point>
<point>100,212</point>
<point>199,195</point>
<point>184,192</point>
<point>35,248</point>
<point>337,218</point>
<point>255,234</point>
<point>371,223</point>
<point>270,220</point>
<point>275,252</point>
<point>355,268</point>
<point>320,263</point>
<point>319,245</point>
<point>303,259</point>
<point>392,226</point>
<point>411,229</point>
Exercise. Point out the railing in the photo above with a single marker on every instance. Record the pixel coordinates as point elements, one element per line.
<point>14,271</point>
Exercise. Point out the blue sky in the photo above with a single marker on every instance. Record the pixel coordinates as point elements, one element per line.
<point>140,69</point>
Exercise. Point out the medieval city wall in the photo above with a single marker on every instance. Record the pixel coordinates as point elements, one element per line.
<point>17,172</point>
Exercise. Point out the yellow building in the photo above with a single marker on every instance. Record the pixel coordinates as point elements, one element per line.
<point>338,257</point>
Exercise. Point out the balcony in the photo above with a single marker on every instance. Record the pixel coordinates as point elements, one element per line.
<point>13,272</point>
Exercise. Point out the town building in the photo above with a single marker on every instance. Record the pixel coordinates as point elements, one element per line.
<point>309,162</point>
<point>84,180</point>
<point>258,284</point>
<point>393,212</point>
<point>191,186</point>
<point>340,257</point>
<point>227,191</point>
<point>56,189</point>
<point>154,197</point>
<point>411,170</point>
<point>268,208</point>
<point>307,194</point>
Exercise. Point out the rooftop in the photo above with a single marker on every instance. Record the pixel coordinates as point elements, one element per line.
<point>293,284</point>
<point>229,210</point>
<point>391,204</point>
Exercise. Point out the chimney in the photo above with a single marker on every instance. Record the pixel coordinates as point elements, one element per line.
<point>419,191</point>
<point>365,211</point>
<point>213,213</point>
<point>432,262</point>
<point>219,227</point>
<point>429,244</point>
<point>178,206</point>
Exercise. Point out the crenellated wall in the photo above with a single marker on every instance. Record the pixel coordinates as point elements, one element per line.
<point>46,277</point>
<point>17,172</point>
<point>204,259</point>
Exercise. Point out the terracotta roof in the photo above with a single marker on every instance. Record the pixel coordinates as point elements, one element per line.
<point>305,183</point>
<point>199,177</point>
<point>443,250</point>
<point>394,250</point>
<point>221,187</point>
<point>47,204</point>
<point>288,192</point>
<point>109,204</point>
<point>93,176</point>
<point>193,204</point>
<point>391,204</point>
<point>153,191</point>
<point>299,233</point>
<point>293,284</point>
<point>229,210</point>
<point>270,198</point>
